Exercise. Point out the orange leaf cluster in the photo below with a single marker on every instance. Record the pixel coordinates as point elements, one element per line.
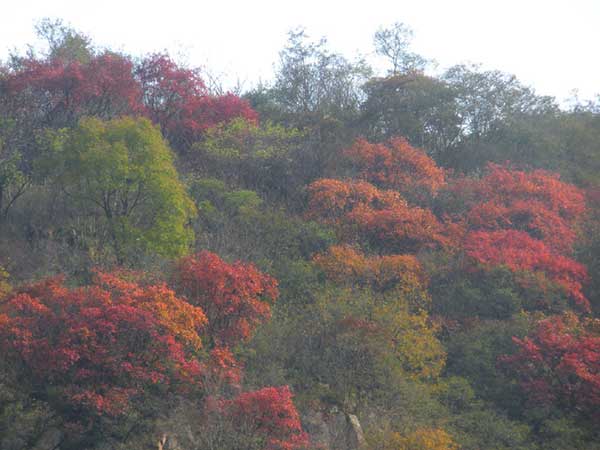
<point>344,264</point>
<point>396,164</point>
<point>536,202</point>
<point>381,215</point>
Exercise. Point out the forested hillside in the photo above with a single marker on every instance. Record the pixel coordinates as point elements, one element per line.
<point>336,259</point>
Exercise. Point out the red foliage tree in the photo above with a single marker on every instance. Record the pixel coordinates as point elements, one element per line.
<point>396,164</point>
<point>268,413</point>
<point>527,222</point>
<point>536,202</point>
<point>58,92</point>
<point>178,100</point>
<point>521,253</point>
<point>559,364</point>
<point>120,346</point>
<point>101,347</point>
<point>235,297</point>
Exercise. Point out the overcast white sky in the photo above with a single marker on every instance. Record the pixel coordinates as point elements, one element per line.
<point>551,45</point>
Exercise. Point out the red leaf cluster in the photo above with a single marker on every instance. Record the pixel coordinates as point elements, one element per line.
<point>519,252</point>
<point>560,364</point>
<point>536,202</point>
<point>104,348</point>
<point>104,344</point>
<point>527,222</point>
<point>104,87</point>
<point>268,412</point>
<point>59,92</point>
<point>235,297</point>
<point>178,100</point>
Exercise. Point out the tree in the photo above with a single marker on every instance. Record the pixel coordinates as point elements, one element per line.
<point>57,92</point>
<point>489,104</point>
<point>524,255</point>
<point>421,439</point>
<point>381,216</point>
<point>64,42</point>
<point>527,222</point>
<point>267,415</point>
<point>536,202</point>
<point>313,81</point>
<point>258,157</point>
<point>393,43</point>
<point>236,297</point>
<point>121,173</point>
<point>177,99</point>
<point>397,165</point>
<point>318,92</point>
<point>559,365</point>
<point>13,181</point>
<point>100,355</point>
<point>420,107</point>
<point>345,265</point>
<point>376,339</point>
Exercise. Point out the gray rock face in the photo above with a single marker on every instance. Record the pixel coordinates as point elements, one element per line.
<point>334,430</point>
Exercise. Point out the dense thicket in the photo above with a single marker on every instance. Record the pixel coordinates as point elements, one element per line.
<point>180,267</point>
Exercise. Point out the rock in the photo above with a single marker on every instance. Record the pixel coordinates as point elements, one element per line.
<point>357,432</point>
<point>334,430</point>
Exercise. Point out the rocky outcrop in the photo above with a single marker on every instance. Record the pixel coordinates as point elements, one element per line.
<point>334,430</point>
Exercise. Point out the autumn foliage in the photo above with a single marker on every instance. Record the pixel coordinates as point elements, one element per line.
<point>559,364</point>
<point>235,297</point>
<point>64,90</point>
<point>104,345</point>
<point>109,85</point>
<point>395,164</point>
<point>344,264</point>
<point>108,348</point>
<point>178,100</point>
<point>527,222</point>
<point>536,202</point>
<point>358,207</point>
<point>521,253</point>
<point>421,439</point>
<point>446,300</point>
<point>268,413</point>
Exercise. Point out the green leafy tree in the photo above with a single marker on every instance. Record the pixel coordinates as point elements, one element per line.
<point>121,173</point>
<point>393,43</point>
<point>258,157</point>
<point>13,181</point>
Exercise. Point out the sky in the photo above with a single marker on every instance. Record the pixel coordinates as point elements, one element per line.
<point>551,45</point>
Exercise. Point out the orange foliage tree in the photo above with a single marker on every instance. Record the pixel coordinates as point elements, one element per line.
<point>382,216</point>
<point>536,202</point>
<point>342,263</point>
<point>521,253</point>
<point>396,164</point>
